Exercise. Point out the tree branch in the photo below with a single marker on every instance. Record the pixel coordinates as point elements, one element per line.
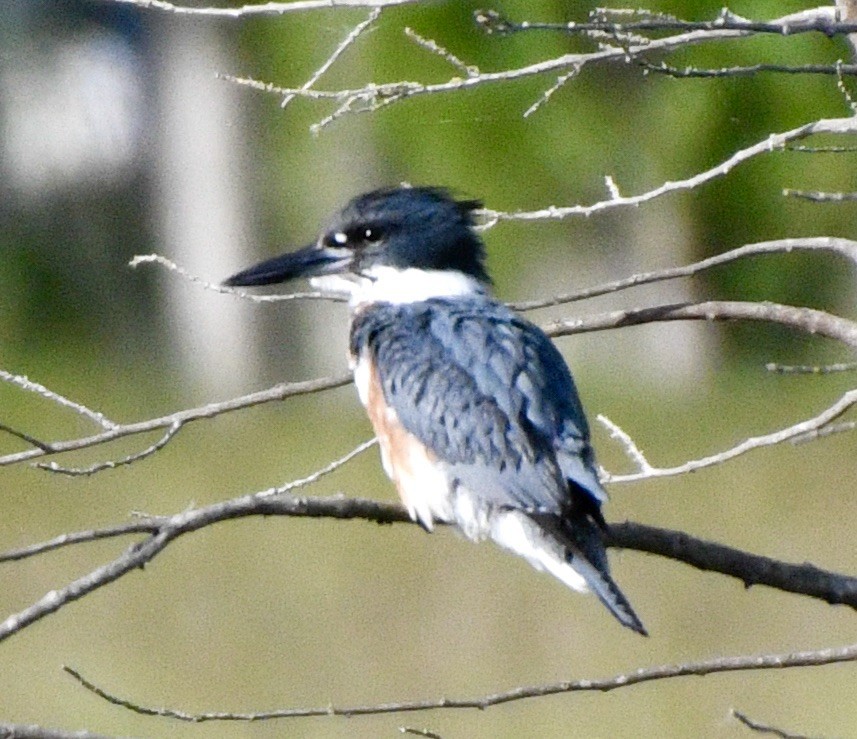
<point>25,383</point>
<point>277,392</point>
<point>751,569</point>
<point>822,20</point>
<point>751,70</point>
<point>808,320</point>
<point>162,530</point>
<point>797,432</point>
<point>773,142</point>
<point>32,731</point>
<point>374,96</point>
<point>821,197</point>
<point>224,290</point>
<point>352,36</point>
<point>262,9</point>
<point>809,658</point>
<point>765,728</point>
<point>843,247</point>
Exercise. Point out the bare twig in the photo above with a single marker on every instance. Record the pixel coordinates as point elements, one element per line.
<point>809,658</point>
<point>750,569</point>
<point>166,529</point>
<point>261,9</point>
<point>774,142</point>
<point>419,732</point>
<point>25,383</point>
<point>810,369</point>
<point>223,289</point>
<point>278,392</point>
<point>32,731</point>
<point>161,530</point>
<point>318,474</point>
<point>844,247</point>
<point>822,149</point>
<point>817,20</point>
<point>792,433</point>
<point>38,443</point>
<point>751,70</point>
<point>765,728</point>
<point>548,94</point>
<point>833,428</point>
<point>840,82</point>
<point>808,320</point>
<point>146,525</point>
<point>468,70</point>
<point>374,96</point>
<point>352,36</point>
<point>112,464</point>
<point>631,448</point>
<point>821,197</point>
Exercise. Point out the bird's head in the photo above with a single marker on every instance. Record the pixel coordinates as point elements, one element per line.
<point>418,240</point>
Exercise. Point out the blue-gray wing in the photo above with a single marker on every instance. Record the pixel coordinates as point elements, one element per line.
<point>489,394</point>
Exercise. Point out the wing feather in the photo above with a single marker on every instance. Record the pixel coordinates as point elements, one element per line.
<point>489,394</point>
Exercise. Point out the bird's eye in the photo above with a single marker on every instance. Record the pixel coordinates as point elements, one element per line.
<point>372,234</point>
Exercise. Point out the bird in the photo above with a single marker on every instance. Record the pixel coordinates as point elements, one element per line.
<point>478,418</point>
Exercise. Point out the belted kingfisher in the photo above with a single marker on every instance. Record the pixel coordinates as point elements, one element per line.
<point>476,412</point>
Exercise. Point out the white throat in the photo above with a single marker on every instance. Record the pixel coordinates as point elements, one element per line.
<point>382,284</point>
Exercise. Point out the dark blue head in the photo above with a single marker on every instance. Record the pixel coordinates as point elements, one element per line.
<point>404,227</point>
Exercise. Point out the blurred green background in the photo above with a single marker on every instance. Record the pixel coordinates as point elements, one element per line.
<point>119,140</point>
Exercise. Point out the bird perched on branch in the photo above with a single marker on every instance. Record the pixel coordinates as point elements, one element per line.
<point>476,412</point>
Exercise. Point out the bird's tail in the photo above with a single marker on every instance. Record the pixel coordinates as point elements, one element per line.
<point>571,550</point>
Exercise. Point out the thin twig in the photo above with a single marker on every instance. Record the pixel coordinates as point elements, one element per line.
<point>25,383</point>
<point>32,440</point>
<point>168,529</point>
<point>419,732</point>
<point>549,93</point>
<point>834,428</point>
<point>373,96</point>
<point>751,70</point>
<point>224,290</point>
<point>146,525</point>
<point>277,392</point>
<point>318,474</point>
<point>815,20</point>
<point>822,149</point>
<point>774,142</point>
<point>765,728</point>
<point>809,658</point>
<point>262,9</point>
<point>808,320</point>
<point>468,70</point>
<point>791,433</point>
<point>843,247</point>
<point>815,196</point>
<point>631,448</point>
<point>173,527</point>
<point>840,83</point>
<point>34,731</point>
<point>810,369</point>
<point>352,36</point>
<point>112,464</point>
